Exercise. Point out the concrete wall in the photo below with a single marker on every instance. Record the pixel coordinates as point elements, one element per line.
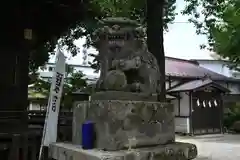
<point>182,125</point>
<point>181,120</point>
<point>46,72</point>
<point>184,104</point>
<point>175,103</point>
<point>36,107</point>
<point>219,68</point>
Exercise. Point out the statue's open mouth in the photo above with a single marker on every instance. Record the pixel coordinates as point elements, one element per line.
<point>116,39</point>
<point>116,42</point>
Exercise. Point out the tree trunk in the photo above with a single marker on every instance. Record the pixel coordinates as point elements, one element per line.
<point>155,39</point>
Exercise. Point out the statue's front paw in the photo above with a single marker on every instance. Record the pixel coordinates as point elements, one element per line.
<point>135,87</point>
<point>118,64</point>
<point>115,63</point>
<point>115,80</point>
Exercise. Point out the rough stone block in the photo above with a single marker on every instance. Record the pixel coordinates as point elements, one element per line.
<point>125,96</point>
<point>174,151</point>
<point>124,124</point>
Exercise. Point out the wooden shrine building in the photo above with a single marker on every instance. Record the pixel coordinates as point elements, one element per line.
<point>199,96</point>
<point>202,110</point>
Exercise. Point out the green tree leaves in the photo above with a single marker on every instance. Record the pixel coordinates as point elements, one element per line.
<point>220,23</point>
<point>74,81</point>
<point>97,9</point>
<point>133,9</point>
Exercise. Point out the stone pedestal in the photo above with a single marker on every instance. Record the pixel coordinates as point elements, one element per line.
<point>125,124</point>
<point>174,151</point>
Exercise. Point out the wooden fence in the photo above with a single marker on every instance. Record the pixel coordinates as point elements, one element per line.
<point>20,143</point>
<point>36,120</point>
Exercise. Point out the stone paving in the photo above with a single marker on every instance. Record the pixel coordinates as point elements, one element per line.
<point>215,147</point>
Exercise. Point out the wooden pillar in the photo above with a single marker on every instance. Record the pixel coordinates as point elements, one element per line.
<point>14,93</point>
<point>14,82</point>
<point>7,80</point>
<point>22,79</point>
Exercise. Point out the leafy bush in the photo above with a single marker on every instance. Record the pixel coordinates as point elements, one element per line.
<point>232,114</point>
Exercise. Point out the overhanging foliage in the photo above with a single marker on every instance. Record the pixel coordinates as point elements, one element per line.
<point>219,21</point>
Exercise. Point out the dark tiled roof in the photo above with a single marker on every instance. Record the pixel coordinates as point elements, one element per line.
<point>189,69</point>
<point>196,84</point>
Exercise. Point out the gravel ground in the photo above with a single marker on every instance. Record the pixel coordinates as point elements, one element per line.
<point>215,147</point>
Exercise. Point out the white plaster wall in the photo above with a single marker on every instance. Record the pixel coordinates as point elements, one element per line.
<point>219,68</point>
<point>184,104</point>
<point>88,71</point>
<point>36,107</point>
<point>33,106</point>
<point>167,85</point>
<point>182,125</point>
<point>175,104</point>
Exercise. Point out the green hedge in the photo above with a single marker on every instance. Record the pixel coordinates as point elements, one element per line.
<point>232,115</point>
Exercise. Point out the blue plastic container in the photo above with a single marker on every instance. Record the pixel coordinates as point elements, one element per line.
<point>88,135</point>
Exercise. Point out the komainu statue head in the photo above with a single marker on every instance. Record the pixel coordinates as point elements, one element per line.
<point>118,34</point>
<point>125,63</point>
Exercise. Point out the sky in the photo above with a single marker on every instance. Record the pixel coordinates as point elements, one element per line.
<point>180,42</point>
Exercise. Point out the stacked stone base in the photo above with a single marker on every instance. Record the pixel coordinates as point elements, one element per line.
<point>122,124</point>
<point>174,151</point>
<point>125,130</point>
